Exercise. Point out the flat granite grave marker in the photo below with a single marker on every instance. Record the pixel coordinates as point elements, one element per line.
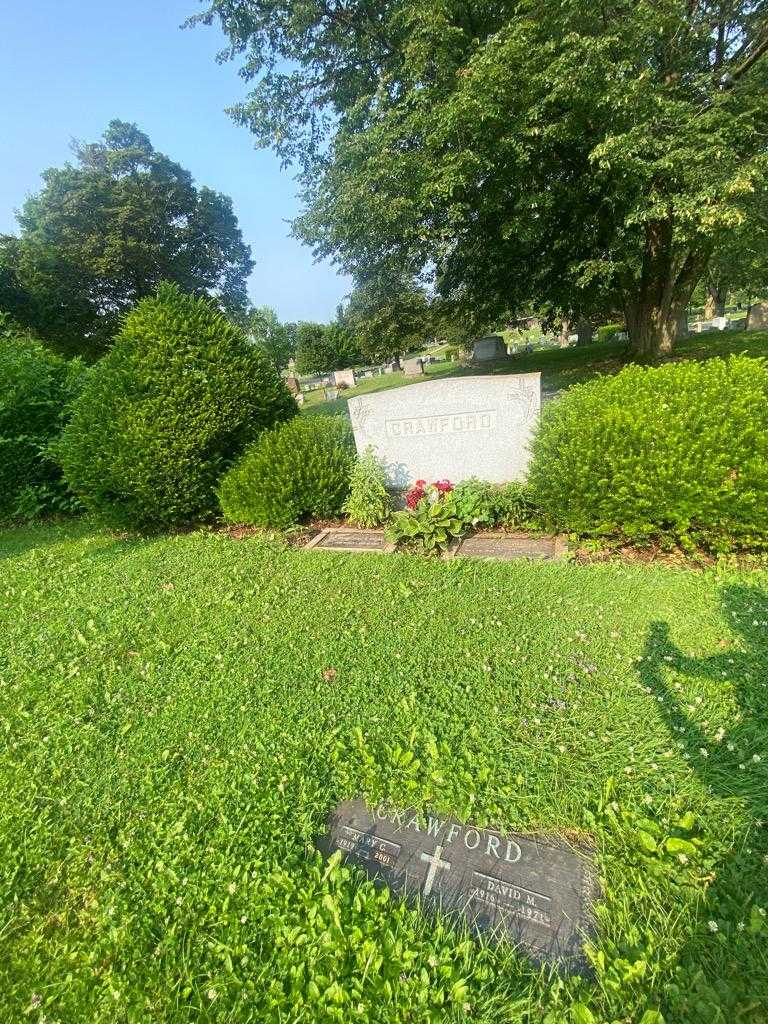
<point>507,548</point>
<point>350,540</point>
<point>531,890</point>
<point>452,429</point>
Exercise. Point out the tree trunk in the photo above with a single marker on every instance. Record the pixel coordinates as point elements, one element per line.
<point>717,293</point>
<point>652,330</point>
<point>682,324</point>
<point>656,304</point>
<point>565,333</point>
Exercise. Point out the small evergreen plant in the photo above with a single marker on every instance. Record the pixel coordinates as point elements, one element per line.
<point>369,503</point>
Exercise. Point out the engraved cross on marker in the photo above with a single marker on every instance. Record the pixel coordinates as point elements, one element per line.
<point>434,863</point>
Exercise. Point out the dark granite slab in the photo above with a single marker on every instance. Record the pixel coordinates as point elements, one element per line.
<point>532,890</point>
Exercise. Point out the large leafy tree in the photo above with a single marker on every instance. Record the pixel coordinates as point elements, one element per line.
<point>387,316</point>
<point>582,155</point>
<point>277,340</point>
<point>739,264</point>
<point>321,348</point>
<point>103,233</point>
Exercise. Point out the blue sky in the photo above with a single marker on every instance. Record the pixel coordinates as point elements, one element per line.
<point>67,67</point>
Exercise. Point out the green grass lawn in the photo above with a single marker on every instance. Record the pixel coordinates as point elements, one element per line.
<point>179,715</point>
<point>559,367</point>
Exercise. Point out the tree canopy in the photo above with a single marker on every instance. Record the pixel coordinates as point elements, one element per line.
<point>321,348</point>
<point>387,316</point>
<point>590,154</point>
<point>104,232</point>
<point>277,340</point>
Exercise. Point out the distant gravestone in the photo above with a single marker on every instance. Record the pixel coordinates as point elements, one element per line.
<point>413,367</point>
<point>534,891</point>
<point>720,323</point>
<point>453,429</point>
<point>584,333</point>
<point>757,320</point>
<point>486,350</point>
<point>345,377</point>
<point>331,394</point>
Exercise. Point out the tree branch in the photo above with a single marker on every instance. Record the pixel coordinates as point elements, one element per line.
<point>738,72</point>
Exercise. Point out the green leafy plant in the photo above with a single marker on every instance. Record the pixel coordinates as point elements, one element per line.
<point>475,502</point>
<point>37,388</point>
<point>369,503</point>
<point>431,520</point>
<point>515,506</point>
<point>300,469</point>
<point>483,504</point>
<point>677,453</point>
<point>165,413</point>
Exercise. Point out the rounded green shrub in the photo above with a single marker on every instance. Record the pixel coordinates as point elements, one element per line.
<point>166,412</point>
<point>677,453</point>
<point>300,469</point>
<point>36,391</point>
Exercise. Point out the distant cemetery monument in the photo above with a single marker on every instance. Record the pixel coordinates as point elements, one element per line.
<point>451,429</point>
<point>758,317</point>
<point>345,378</point>
<point>488,349</point>
<point>718,323</point>
<point>413,367</point>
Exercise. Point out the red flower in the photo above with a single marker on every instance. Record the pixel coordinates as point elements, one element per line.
<point>444,486</point>
<point>414,496</point>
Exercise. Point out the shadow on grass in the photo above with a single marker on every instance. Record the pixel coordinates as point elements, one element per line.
<point>19,541</point>
<point>733,766</point>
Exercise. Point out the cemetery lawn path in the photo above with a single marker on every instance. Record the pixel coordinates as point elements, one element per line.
<point>179,714</point>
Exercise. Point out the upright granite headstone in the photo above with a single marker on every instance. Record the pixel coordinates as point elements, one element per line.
<point>413,367</point>
<point>452,429</point>
<point>535,891</point>
<point>345,377</point>
<point>757,319</point>
<point>486,350</point>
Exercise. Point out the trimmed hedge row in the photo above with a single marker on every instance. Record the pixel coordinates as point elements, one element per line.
<point>678,452</point>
